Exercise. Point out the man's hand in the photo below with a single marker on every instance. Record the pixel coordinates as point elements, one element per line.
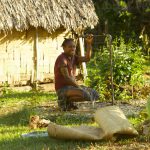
<point>89,39</point>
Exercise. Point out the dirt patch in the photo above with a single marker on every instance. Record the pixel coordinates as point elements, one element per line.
<point>88,108</point>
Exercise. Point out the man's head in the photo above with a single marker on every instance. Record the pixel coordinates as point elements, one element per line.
<point>69,46</point>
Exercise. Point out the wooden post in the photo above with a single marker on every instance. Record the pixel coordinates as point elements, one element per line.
<point>111,66</point>
<point>106,27</point>
<point>81,42</point>
<point>35,48</point>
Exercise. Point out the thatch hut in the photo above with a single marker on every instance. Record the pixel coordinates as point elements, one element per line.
<point>31,33</point>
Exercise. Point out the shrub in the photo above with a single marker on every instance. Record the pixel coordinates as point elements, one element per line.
<point>127,69</point>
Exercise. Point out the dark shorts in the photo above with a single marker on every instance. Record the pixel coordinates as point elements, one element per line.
<point>89,94</point>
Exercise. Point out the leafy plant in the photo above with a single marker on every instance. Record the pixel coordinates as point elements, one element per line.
<point>128,18</point>
<point>127,69</point>
<point>128,61</point>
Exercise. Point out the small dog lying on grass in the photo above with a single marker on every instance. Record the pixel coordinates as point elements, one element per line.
<point>36,122</point>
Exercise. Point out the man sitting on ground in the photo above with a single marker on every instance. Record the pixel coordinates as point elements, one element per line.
<point>66,87</point>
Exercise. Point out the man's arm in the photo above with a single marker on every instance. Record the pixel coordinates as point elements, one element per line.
<point>69,80</point>
<point>87,57</point>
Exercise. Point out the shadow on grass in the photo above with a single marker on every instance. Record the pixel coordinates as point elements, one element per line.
<point>20,117</point>
<point>45,143</point>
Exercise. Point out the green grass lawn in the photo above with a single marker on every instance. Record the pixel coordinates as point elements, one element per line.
<point>15,111</point>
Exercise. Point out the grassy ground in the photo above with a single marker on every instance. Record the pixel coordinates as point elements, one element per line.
<point>16,109</point>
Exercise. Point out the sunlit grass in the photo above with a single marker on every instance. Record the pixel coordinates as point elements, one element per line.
<point>14,120</point>
<point>15,111</point>
<point>13,98</point>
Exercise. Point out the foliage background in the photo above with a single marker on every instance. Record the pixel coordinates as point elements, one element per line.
<point>128,23</point>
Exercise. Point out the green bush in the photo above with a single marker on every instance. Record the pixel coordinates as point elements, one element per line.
<point>128,18</point>
<point>127,69</point>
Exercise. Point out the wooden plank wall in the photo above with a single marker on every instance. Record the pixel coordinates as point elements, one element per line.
<point>16,54</point>
<point>49,47</point>
<point>16,57</point>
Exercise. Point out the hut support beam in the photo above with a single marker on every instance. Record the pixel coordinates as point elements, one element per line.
<point>35,49</point>
<point>81,42</point>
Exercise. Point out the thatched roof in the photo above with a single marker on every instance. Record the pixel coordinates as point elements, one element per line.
<point>49,14</point>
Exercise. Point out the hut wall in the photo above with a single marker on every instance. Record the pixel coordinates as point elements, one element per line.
<point>49,47</point>
<point>16,55</point>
